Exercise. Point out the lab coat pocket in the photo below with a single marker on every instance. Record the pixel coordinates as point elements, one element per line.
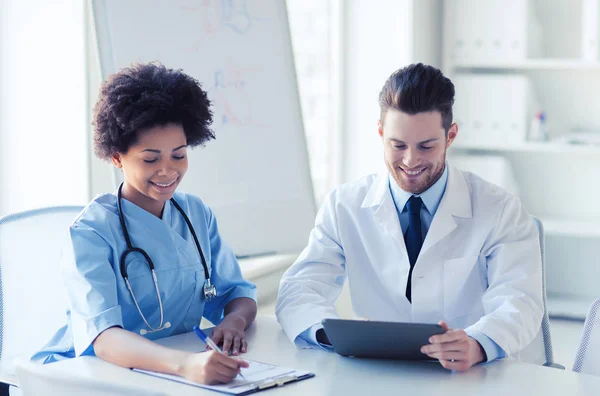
<point>463,289</point>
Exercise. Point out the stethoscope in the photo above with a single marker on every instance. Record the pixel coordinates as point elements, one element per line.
<point>210,291</point>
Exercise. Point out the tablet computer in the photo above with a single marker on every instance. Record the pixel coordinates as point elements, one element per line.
<point>388,340</point>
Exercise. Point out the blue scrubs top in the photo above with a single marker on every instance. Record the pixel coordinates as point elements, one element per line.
<point>98,296</point>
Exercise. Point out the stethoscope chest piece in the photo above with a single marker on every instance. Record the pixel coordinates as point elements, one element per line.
<point>210,291</point>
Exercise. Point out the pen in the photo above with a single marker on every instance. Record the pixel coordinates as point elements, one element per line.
<point>207,340</point>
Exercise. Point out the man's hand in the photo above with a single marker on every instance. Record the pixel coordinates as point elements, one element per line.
<point>454,349</point>
<point>230,332</point>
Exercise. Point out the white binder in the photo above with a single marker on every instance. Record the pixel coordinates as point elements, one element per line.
<point>495,31</point>
<point>493,109</point>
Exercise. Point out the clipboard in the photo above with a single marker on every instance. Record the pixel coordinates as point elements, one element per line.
<point>258,377</point>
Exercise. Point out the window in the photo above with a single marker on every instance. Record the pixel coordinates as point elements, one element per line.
<point>313,30</point>
<point>43,105</point>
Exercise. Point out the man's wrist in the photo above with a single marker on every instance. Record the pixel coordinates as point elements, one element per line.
<point>481,355</point>
<point>322,338</point>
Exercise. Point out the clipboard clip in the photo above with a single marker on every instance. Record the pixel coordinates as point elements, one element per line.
<point>277,382</point>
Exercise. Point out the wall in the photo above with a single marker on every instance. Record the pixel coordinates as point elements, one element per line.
<point>101,172</point>
<point>427,32</point>
<point>379,38</point>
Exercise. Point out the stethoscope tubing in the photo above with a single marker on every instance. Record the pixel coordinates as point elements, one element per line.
<point>131,249</point>
<point>209,289</point>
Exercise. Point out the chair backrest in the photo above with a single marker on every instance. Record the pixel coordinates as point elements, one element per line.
<point>539,351</point>
<point>587,359</point>
<point>36,379</point>
<point>32,296</point>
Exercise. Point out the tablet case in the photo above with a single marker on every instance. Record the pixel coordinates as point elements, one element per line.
<point>388,340</point>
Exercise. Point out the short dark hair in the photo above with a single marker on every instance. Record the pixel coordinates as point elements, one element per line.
<point>144,96</point>
<point>418,88</point>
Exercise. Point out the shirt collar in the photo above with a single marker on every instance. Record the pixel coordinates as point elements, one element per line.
<point>431,197</point>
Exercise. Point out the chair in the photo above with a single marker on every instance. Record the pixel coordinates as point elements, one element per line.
<point>539,351</point>
<point>587,359</point>
<point>32,297</point>
<point>35,380</point>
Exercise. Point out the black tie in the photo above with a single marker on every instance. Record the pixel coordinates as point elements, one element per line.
<point>413,237</point>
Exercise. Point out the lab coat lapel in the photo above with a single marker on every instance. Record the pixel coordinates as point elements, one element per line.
<point>393,264</point>
<point>456,202</point>
<point>379,199</point>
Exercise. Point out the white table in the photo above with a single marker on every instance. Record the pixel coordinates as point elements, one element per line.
<point>337,375</point>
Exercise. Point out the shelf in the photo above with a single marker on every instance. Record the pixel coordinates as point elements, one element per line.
<point>568,307</point>
<point>585,229</point>
<point>257,267</point>
<point>532,147</point>
<point>530,64</point>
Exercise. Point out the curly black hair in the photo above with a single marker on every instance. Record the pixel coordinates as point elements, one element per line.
<point>143,96</point>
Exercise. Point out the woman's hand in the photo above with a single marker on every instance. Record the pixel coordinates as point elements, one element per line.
<point>128,349</point>
<point>211,367</point>
<point>230,333</point>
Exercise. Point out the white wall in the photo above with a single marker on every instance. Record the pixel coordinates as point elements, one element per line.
<point>102,172</point>
<point>43,133</point>
<point>427,32</point>
<point>379,37</point>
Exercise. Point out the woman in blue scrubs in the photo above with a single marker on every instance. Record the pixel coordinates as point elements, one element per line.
<point>145,120</point>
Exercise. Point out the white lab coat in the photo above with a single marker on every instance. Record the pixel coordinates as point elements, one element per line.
<point>479,268</point>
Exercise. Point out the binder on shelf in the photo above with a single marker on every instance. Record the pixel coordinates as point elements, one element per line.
<point>589,30</point>
<point>493,108</point>
<point>496,31</point>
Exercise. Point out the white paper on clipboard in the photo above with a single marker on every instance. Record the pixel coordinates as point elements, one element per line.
<point>258,376</point>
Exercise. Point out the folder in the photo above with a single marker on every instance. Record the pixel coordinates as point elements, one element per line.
<point>495,31</point>
<point>259,376</point>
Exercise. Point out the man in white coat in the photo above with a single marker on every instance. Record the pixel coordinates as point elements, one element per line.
<point>421,241</point>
